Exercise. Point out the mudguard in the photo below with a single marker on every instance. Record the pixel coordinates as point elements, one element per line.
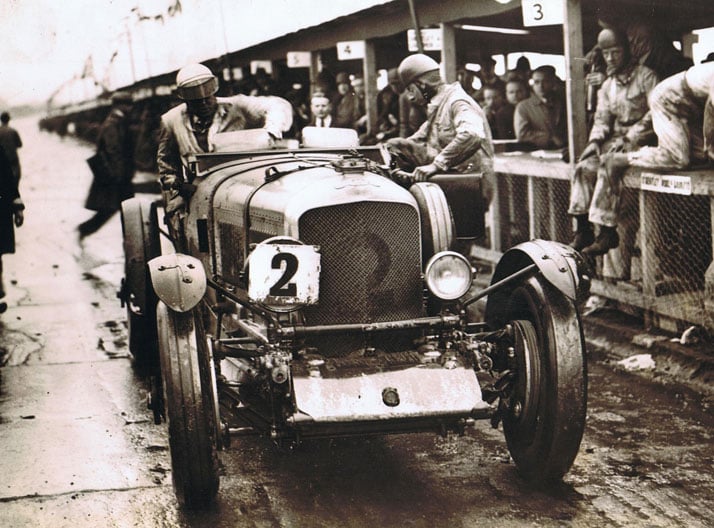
<point>178,280</point>
<point>560,265</point>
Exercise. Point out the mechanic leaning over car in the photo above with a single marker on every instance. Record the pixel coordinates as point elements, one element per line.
<point>455,136</point>
<point>190,128</point>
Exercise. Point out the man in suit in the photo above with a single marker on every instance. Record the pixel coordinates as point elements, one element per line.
<point>320,110</point>
<point>540,120</point>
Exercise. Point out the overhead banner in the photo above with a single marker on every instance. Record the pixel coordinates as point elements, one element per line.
<point>298,59</point>
<point>430,38</point>
<point>351,49</point>
<point>542,12</point>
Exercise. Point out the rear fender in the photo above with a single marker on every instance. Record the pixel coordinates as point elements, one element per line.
<point>560,265</point>
<point>178,280</point>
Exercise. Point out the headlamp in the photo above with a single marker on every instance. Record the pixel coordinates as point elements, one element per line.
<point>448,275</point>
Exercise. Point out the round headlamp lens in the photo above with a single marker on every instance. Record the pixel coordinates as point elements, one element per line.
<point>448,275</point>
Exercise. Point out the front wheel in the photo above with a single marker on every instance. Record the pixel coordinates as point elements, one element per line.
<point>190,406</point>
<point>544,411</point>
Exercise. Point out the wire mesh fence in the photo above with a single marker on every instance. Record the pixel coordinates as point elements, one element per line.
<point>660,266</point>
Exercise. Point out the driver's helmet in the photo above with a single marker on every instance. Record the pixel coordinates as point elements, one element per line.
<point>195,81</point>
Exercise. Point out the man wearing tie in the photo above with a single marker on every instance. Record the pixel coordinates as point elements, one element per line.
<point>321,110</point>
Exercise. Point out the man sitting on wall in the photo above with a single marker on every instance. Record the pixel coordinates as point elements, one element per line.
<point>621,123</point>
<point>683,119</point>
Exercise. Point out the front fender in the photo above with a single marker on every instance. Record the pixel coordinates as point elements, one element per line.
<point>178,280</point>
<point>560,265</point>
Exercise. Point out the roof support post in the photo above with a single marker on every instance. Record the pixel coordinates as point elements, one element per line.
<point>448,52</point>
<point>314,69</point>
<point>369,67</point>
<point>575,77</point>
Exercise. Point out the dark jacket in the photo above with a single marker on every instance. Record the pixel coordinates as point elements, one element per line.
<point>112,183</point>
<point>9,203</point>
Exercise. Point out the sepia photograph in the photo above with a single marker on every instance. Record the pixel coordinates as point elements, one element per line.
<point>356,263</point>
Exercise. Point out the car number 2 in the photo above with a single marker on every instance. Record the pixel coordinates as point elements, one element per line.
<point>284,274</point>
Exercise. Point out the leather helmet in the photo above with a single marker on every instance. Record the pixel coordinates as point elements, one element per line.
<point>195,81</point>
<point>610,38</point>
<point>414,66</point>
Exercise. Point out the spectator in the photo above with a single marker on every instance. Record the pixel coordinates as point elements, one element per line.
<point>456,137</point>
<point>10,141</point>
<point>347,108</point>
<point>493,100</point>
<point>622,123</point>
<point>190,127</point>
<point>516,91</point>
<point>489,79</point>
<point>387,110</point>
<point>11,214</point>
<point>296,95</point>
<point>360,124</point>
<point>114,167</point>
<point>523,68</point>
<point>540,120</point>
<point>683,119</point>
<point>321,110</point>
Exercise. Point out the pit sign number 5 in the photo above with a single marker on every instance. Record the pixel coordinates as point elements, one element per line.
<point>283,274</point>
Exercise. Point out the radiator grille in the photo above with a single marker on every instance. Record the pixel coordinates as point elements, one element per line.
<point>371,269</point>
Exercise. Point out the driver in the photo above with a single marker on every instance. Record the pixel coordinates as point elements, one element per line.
<point>190,127</point>
<point>455,136</point>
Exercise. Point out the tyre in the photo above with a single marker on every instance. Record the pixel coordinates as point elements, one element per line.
<point>437,224</point>
<point>190,406</point>
<point>544,413</point>
<point>140,231</point>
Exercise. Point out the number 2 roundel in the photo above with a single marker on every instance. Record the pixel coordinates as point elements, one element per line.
<point>284,274</point>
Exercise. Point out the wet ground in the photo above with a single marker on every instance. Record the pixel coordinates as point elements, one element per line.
<point>79,448</point>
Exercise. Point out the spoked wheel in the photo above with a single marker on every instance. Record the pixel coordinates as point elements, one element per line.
<point>140,230</point>
<point>190,405</point>
<point>544,411</point>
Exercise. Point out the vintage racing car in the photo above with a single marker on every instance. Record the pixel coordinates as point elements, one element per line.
<point>315,296</point>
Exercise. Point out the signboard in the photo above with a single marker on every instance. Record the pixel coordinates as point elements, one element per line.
<point>666,184</point>
<point>298,59</point>
<point>261,64</point>
<point>430,38</point>
<point>542,12</point>
<point>351,49</point>
<point>284,274</point>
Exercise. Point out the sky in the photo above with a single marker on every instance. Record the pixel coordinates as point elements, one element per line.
<point>47,43</point>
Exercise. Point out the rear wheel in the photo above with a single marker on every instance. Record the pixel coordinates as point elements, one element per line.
<point>190,405</point>
<point>544,411</point>
<point>140,229</point>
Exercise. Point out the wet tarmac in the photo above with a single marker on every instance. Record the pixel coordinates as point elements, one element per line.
<point>79,448</point>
